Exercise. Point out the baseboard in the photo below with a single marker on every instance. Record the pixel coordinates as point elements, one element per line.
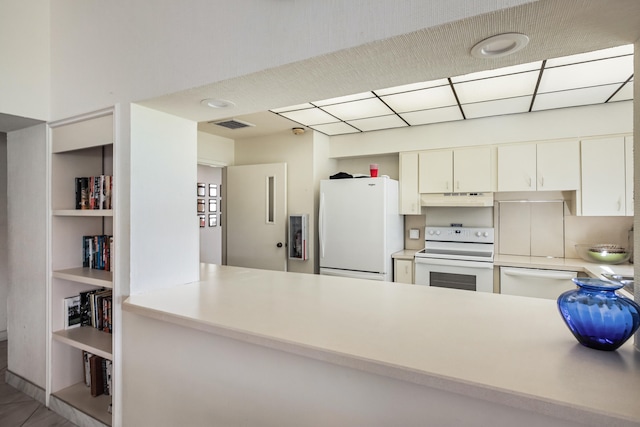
<point>56,405</point>
<point>25,386</point>
<point>73,414</point>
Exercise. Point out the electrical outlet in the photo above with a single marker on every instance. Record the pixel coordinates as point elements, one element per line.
<point>414,233</point>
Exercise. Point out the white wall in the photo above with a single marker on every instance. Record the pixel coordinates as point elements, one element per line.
<point>164,232</point>
<point>27,223</point>
<point>297,152</point>
<point>215,150</point>
<point>25,64</point>
<point>388,164</point>
<point>563,123</point>
<point>4,243</point>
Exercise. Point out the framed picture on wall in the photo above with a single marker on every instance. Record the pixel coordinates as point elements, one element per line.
<point>213,220</point>
<point>201,220</point>
<point>213,205</point>
<point>213,190</point>
<point>200,205</point>
<point>201,189</point>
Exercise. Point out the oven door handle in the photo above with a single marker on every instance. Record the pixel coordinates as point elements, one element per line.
<point>453,263</point>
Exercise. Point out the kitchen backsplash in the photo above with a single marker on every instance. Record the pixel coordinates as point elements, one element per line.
<point>577,229</point>
<point>595,229</point>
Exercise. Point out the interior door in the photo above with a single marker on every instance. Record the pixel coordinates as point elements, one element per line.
<point>257,216</point>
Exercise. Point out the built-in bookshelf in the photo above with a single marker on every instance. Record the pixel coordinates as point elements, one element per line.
<point>82,147</point>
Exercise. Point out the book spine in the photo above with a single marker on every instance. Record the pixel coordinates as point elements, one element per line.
<point>86,368</point>
<point>97,383</point>
<point>78,193</point>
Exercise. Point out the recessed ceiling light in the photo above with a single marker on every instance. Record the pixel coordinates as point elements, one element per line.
<point>217,103</point>
<point>499,45</point>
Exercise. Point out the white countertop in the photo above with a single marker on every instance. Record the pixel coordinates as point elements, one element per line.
<point>505,349</point>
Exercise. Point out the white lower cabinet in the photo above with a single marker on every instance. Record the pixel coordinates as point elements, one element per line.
<point>533,282</point>
<point>403,271</point>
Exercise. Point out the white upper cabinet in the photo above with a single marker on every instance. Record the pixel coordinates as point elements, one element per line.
<point>409,194</point>
<point>436,171</point>
<point>549,166</point>
<point>453,171</point>
<point>628,160</point>
<point>603,177</point>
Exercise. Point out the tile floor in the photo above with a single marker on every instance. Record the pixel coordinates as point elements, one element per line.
<point>18,409</point>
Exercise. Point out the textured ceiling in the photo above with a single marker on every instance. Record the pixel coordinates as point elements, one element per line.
<point>556,28</point>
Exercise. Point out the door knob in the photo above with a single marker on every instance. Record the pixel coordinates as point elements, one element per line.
<point>279,244</point>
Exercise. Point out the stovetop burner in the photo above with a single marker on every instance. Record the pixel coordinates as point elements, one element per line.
<point>458,243</point>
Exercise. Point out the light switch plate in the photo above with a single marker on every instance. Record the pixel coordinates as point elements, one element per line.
<point>414,233</point>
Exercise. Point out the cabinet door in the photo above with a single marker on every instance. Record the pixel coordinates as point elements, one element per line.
<point>558,166</point>
<point>517,167</point>
<point>628,160</point>
<point>403,271</point>
<point>436,171</point>
<point>603,177</point>
<point>409,194</point>
<point>472,169</point>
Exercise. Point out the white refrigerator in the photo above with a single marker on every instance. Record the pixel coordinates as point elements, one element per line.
<point>359,227</point>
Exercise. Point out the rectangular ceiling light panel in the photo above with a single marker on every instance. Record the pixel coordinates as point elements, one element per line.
<point>339,128</point>
<point>362,109</point>
<point>441,96</point>
<point>412,87</point>
<point>509,86</point>
<point>347,98</point>
<point>591,56</point>
<point>531,66</point>
<point>378,123</point>
<point>574,97</point>
<point>436,115</point>
<point>585,74</point>
<point>624,94</point>
<point>497,107</point>
<point>310,116</point>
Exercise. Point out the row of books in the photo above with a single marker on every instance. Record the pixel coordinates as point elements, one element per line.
<point>90,308</point>
<point>97,373</point>
<point>97,253</point>
<point>94,192</point>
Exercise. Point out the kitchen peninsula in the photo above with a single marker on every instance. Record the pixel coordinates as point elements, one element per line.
<point>254,347</point>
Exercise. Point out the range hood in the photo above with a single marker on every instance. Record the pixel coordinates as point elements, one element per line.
<point>457,199</point>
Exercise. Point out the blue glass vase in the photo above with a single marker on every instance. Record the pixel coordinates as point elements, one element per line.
<point>597,316</point>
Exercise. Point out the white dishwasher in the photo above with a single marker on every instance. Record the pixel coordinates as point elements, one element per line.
<point>533,282</point>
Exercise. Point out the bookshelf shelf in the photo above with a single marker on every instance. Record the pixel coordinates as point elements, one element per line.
<point>86,275</point>
<point>87,338</point>
<point>82,152</point>
<point>79,396</point>
<point>83,212</point>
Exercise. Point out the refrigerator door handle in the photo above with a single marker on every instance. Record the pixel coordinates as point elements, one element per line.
<point>321,230</point>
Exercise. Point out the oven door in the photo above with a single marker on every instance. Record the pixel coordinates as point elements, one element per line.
<point>454,274</point>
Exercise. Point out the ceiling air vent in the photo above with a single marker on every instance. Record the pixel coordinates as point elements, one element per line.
<point>233,124</point>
